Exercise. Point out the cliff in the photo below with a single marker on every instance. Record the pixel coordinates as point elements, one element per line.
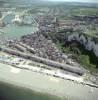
<point>88,42</point>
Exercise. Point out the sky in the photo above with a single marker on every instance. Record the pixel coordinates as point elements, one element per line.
<point>95,1</point>
<point>89,1</point>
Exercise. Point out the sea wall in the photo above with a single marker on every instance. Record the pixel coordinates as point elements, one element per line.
<point>48,62</point>
<point>88,42</point>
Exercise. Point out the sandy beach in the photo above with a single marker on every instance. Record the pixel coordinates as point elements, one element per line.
<point>47,84</point>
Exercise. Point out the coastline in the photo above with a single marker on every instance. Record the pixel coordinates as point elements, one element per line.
<point>34,85</point>
<point>47,84</point>
<point>19,91</point>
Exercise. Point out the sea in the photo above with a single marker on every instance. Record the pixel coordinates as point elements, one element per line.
<point>13,31</point>
<point>10,92</point>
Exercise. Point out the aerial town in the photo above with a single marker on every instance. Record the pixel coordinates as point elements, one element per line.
<point>54,39</point>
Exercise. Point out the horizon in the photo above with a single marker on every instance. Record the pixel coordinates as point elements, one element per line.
<point>81,1</point>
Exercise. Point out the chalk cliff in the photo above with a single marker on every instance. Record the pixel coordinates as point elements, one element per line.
<point>88,42</point>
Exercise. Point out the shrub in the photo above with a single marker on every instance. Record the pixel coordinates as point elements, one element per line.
<point>84,59</point>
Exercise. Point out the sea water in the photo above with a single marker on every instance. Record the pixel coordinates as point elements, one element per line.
<point>10,92</point>
<point>15,31</point>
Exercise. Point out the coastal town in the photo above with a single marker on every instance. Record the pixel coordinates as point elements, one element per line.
<point>52,48</point>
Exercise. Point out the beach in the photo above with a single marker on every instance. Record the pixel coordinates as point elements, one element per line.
<point>47,84</point>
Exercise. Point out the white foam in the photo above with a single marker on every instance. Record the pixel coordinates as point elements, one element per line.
<point>15,70</point>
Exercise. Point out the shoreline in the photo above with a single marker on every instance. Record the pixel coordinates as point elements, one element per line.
<point>52,73</point>
<point>27,88</point>
<point>33,88</point>
<point>48,84</point>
